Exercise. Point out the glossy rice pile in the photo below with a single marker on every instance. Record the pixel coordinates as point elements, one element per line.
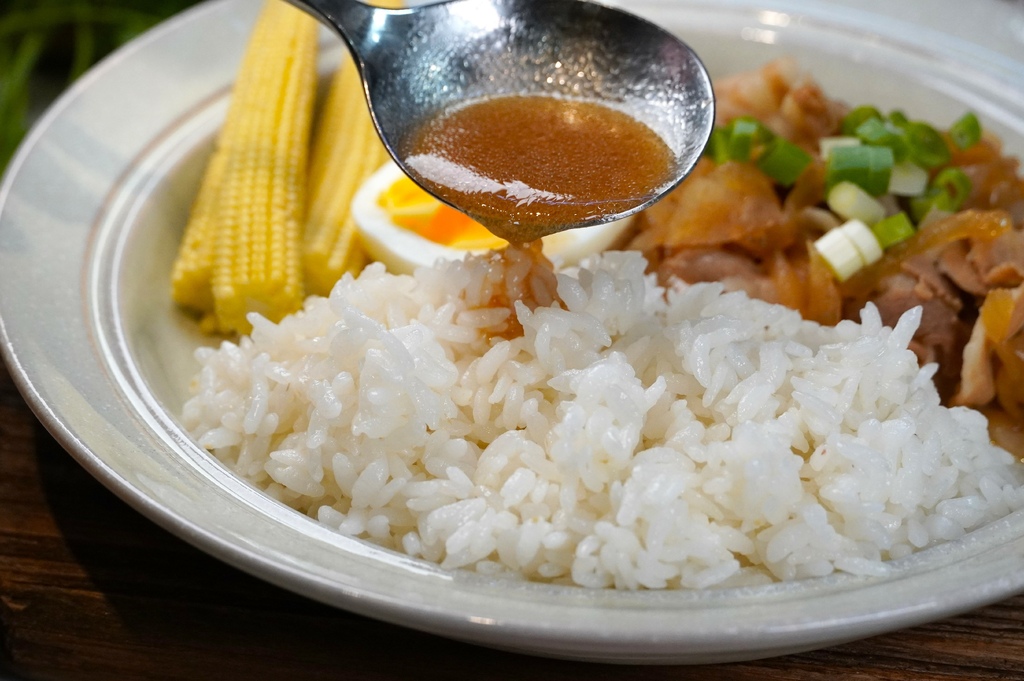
<point>640,438</point>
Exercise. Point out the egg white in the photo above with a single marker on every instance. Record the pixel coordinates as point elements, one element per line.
<point>402,250</point>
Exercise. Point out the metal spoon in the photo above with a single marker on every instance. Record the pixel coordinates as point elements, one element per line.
<point>418,62</point>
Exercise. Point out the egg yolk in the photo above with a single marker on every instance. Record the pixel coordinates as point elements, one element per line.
<point>412,208</point>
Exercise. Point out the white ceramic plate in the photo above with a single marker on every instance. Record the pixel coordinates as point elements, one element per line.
<point>91,211</point>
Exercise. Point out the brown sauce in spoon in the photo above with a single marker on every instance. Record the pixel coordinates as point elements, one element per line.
<point>527,166</point>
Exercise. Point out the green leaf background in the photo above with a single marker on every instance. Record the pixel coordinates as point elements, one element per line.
<point>46,44</point>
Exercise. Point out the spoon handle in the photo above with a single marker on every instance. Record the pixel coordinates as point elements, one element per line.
<point>355,21</point>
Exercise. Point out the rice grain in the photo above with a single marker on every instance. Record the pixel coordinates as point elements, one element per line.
<point>637,437</point>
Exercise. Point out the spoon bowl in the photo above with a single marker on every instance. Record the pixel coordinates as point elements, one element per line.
<point>419,62</point>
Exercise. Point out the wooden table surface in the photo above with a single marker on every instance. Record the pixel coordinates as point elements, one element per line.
<point>89,589</point>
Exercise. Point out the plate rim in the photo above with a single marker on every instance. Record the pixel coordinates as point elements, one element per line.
<point>459,626</point>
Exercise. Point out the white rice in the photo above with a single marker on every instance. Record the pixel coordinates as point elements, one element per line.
<point>639,439</point>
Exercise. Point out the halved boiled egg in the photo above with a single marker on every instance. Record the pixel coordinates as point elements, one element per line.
<point>404,227</point>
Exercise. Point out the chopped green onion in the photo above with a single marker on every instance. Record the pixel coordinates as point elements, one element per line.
<point>920,205</point>
<point>850,202</point>
<point>857,116</point>
<point>908,179</point>
<point>893,229</point>
<point>864,240</point>
<point>840,253</point>
<point>931,216</point>
<point>737,141</point>
<point>827,144</point>
<point>927,148</point>
<point>898,118</point>
<point>875,132</point>
<point>783,161</point>
<point>947,192</point>
<point>717,148</point>
<point>866,166</point>
<point>934,198</point>
<point>744,133</point>
<point>966,132</point>
<point>955,183</point>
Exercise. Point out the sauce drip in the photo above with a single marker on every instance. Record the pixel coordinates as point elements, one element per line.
<point>516,273</point>
<point>526,166</point>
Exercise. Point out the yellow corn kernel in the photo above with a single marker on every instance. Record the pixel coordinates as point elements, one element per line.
<point>346,151</point>
<point>259,206</point>
<point>193,268</point>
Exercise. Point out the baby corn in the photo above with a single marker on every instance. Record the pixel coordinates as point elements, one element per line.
<point>346,151</point>
<point>193,268</point>
<point>242,247</point>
